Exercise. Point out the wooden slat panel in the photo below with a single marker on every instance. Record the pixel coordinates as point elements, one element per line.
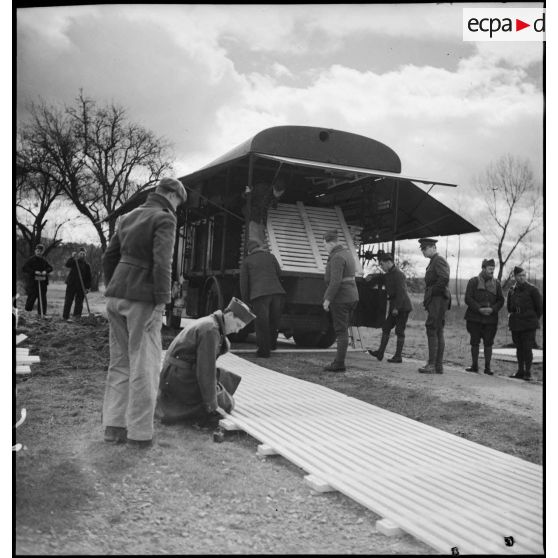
<point>443,489</point>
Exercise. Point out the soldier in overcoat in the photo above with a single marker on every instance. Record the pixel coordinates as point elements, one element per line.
<point>260,285</point>
<point>192,387</point>
<point>437,300</point>
<point>484,298</point>
<point>137,268</point>
<point>36,269</point>
<point>399,306</point>
<point>341,295</point>
<point>525,309</point>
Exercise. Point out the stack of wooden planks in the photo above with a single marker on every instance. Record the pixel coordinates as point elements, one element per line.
<point>457,496</point>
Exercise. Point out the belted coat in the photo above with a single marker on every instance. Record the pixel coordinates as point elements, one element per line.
<point>340,276</point>
<point>137,263</point>
<point>481,293</point>
<point>525,306</point>
<point>436,278</point>
<point>191,384</point>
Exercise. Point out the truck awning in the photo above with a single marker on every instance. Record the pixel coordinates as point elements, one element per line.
<point>352,170</point>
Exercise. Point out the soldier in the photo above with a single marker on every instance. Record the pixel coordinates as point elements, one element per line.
<point>264,196</point>
<point>525,309</point>
<point>437,299</point>
<point>192,387</point>
<point>37,269</point>
<point>78,284</point>
<point>259,284</point>
<point>399,306</point>
<point>137,267</point>
<point>341,295</point>
<point>483,298</point>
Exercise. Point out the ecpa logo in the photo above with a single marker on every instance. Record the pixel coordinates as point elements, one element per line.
<point>503,24</point>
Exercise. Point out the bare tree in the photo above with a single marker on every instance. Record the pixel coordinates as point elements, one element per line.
<point>98,157</point>
<point>35,195</point>
<point>513,205</point>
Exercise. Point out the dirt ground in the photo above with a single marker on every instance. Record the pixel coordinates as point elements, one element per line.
<point>76,494</point>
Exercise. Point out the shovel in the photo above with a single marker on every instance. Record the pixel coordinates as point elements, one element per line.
<point>83,289</point>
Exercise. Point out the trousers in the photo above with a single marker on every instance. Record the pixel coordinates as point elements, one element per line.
<point>268,310</point>
<point>73,293</point>
<point>341,314</point>
<point>135,364</point>
<point>33,295</point>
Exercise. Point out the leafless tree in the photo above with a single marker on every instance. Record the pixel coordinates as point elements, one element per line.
<point>98,157</point>
<point>35,195</point>
<point>513,205</point>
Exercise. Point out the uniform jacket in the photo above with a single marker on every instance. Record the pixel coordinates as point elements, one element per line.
<point>200,343</point>
<point>436,279</point>
<point>36,263</point>
<point>396,289</point>
<point>480,294</point>
<point>259,275</point>
<point>340,269</point>
<point>137,263</point>
<point>73,277</point>
<point>525,307</point>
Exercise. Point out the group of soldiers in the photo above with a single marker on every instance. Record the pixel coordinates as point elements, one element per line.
<point>484,299</point>
<point>189,386</point>
<point>78,282</point>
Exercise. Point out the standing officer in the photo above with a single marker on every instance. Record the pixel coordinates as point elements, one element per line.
<point>437,299</point>
<point>525,307</point>
<point>76,287</point>
<point>37,269</point>
<point>399,306</point>
<point>137,267</point>
<point>341,295</point>
<point>259,284</point>
<point>483,298</point>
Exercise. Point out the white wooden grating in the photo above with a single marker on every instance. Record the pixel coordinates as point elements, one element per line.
<point>446,491</point>
<point>295,233</point>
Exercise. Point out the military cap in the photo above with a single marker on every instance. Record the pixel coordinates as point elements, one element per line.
<point>174,186</point>
<point>385,257</point>
<point>488,263</point>
<point>517,270</point>
<point>240,310</point>
<point>427,242</point>
<point>330,236</point>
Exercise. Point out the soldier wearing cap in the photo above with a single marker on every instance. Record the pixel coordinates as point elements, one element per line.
<point>525,309</point>
<point>260,284</point>
<point>137,268</point>
<point>437,299</point>
<point>192,387</point>
<point>484,298</point>
<point>399,306</point>
<point>341,295</point>
<point>36,269</point>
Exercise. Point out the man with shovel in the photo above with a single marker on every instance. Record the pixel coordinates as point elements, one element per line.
<point>78,284</point>
<point>37,269</point>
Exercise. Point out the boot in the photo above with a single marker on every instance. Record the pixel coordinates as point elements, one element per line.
<point>379,354</point>
<point>430,367</point>
<point>474,359</point>
<point>527,375</point>
<point>487,359</point>
<point>338,364</point>
<point>398,349</point>
<point>520,370</point>
<point>439,365</point>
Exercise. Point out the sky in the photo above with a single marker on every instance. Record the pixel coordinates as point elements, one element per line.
<point>208,77</point>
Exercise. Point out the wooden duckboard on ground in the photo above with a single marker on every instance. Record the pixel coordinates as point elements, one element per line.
<point>510,356</point>
<point>446,491</point>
